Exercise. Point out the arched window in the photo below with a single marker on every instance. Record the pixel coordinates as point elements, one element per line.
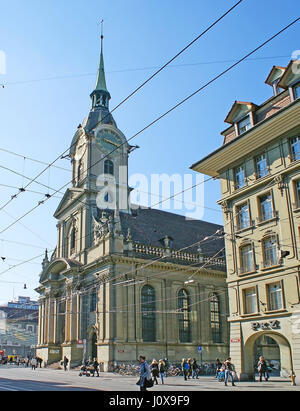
<point>215,321</point>
<point>109,167</point>
<point>72,240</point>
<point>148,308</point>
<point>184,318</point>
<point>79,171</point>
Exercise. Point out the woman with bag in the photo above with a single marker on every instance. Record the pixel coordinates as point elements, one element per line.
<point>162,370</point>
<point>154,371</point>
<point>145,380</point>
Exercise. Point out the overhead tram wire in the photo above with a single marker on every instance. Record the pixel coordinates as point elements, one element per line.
<point>169,111</point>
<point>228,222</point>
<point>70,76</point>
<point>133,93</point>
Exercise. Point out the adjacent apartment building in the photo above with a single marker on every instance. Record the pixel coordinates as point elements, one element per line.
<point>18,327</point>
<point>259,170</point>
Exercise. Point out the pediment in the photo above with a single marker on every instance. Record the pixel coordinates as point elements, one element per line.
<point>70,195</point>
<point>56,267</point>
<point>291,75</point>
<point>239,110</point>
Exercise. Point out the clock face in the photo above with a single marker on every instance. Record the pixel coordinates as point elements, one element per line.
<point>108,141</point>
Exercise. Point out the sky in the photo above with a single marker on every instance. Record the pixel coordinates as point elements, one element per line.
<point>52,53</point>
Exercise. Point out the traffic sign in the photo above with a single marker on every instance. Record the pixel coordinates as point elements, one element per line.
<point>199,348</point>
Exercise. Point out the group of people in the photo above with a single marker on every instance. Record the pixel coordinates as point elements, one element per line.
<point>190,368</point>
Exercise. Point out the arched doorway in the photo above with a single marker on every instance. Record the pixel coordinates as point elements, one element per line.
<point>268,348</point>
<point>253,345</point>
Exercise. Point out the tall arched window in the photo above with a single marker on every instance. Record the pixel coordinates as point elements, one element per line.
<point>148,308</point>
<point>215,321</point>
<point>109,167</point>
<point>72,240</point>
<point>184,318</point>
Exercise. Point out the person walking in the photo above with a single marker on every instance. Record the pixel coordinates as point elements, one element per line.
<point>184,368</point>
<point>229,369</point>
<point>262,369</point>
<point>65,363</point>
<point>154,370</point>
<point>190,369</point>
<point>218,367</point>
<point>96,367</point>
<point>145,373</point>
<point>195,369</point>
<point>162,370</point>
<point>33,363</point>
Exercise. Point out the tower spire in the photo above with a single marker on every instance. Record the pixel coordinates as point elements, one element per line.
<point>100,96</point>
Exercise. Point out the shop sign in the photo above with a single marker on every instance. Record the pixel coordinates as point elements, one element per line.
<point>268,325</point>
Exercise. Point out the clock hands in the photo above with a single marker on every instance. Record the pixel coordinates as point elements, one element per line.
<point>111,142</point>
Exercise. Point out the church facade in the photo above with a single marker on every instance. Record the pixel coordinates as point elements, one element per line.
<point>125,281</point>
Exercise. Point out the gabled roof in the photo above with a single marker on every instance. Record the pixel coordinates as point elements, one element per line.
<point>242,107</point>
<point>275,74</point>
<point>290,75</point>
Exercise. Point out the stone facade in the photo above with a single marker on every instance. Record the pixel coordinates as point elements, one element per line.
<point>116,287</point>
<point>259,171</point>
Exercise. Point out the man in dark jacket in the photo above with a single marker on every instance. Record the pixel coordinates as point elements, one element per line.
<point>262,369</point>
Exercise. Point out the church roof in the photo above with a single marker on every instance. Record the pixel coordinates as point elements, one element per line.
<point>151,226</point>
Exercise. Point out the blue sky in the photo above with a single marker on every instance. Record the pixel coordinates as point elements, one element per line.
<point>52,52</point>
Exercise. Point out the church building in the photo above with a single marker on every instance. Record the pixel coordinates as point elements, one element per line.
<point>126,281</point>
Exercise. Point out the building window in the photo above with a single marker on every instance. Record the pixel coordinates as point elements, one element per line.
<point>184,317</point>
<point>215,321</point>
<point>295,148</point>
<point>261,166</point>
<point>296,90</point>
<point>93,302</point>
<point>80,171</point>
<point>109,167</point>
<point>247,259</point>
<point>243,216</point>
<point>270,252</point>
<point>297,193</point>
<point>250,300</point>
<point>239,177</point>
<point>266,207</point>
<point>73,240</point>
<point>275,296</point>
<point>148,308</point>
<point>244,125</point>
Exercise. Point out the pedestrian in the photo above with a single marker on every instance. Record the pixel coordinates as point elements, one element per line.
<point>190,369</point>
<point>26,362</point>
<point>162,370</point>
<point>96,367</point>
<point>195,369</point>
<point>65,363</point>
<point>154,370</point>
<point>229,369</point>
<point>166,361</point>
<point>33,363</point>
<point>145,374</point>
<point>262,369</point>
<point>218,367</point>
<point>184,368</point>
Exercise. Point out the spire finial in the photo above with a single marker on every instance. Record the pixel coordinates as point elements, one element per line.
<point>102,33</point>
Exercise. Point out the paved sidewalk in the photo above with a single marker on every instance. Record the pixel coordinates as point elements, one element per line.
<point>25,379</point>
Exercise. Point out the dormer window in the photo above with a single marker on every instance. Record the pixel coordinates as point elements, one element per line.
<point>244,125</point>
<point>296,90</point>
